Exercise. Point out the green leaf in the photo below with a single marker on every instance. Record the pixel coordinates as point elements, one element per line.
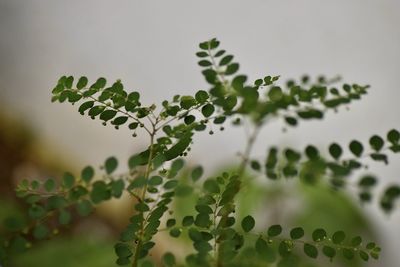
<point>138,182</point>
<point>122,250</point>
<point>155,180</point>
<point>82,82</point>
<point>100,192</point>
<point>328,251</point>
<point>84,207</point>
<point>376,142</point>
<point>68,180</point>
<point>180,147</point>
<point>335,151</point>
<point>226,60</point>
<point>197,173</point>
<point>187,102</point>
<point>100,83</point>
<point>201,96</point>
<point>120,120</point>
<point>356,241</point>
<point>41,231</point>
<point>211,186</point>
<point>175,232</point>
<point>319,235</point>
<point>367,181</point>
<point>142,207</point>
<point>310,250</point>
<point>177,165</point>
<point>187,221</point>
<point>248,223</point>
<point>87,174</point>
<point>110,165</point>
<point>117,188</point>
<point>232,69</point>
<point>123,261</point>
<point>363,255</point>
<point>64,217</point>
<point>274,230</point>
<point>204,63</point>
<point>393,136</point>
<point>202,220</point>
<point>202,246</point>
<point>108,114</point>
<point>85,106</point>
<point>202,54</point>
<point>172,184</point>
<point>348,253</point>
<point>338,237</point>
<point>356,148</point>
<point>96,110</point>
<point>49,185</point>
<point>207,110</point>
<point>158,160</point>
<point>189,119</point>
<point>291,121</point>
<point>169,259</point>
<point>296,233</point>
<point>312,152</point>
<point>36,212</point>
<point>68,82</point>
<point>275,94</point>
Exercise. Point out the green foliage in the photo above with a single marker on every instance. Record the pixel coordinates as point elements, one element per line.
<point>218,237</point>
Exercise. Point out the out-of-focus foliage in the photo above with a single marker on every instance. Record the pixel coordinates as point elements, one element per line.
<point>222,231</point>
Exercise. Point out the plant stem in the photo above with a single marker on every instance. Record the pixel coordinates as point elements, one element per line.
<point>142,198</point>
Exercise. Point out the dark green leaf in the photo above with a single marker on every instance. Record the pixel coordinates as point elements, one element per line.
<point>338,237</point>
<point>197,173</point>
<point>356,148</point>
<point>296,233</point>
<point>274,230</point>
<point>41,231</point>
<point>328,251</point>
<point>208,110</point>
<point>393,136</point>
<point>84,208</point>
<point>204,63</point>
<point>110,165</point>
<point>211,186</point>
<point>319,235</point>
<point>187,221</point>
<point>248,223</point>
<point>85,106</point>
<point>310,250</point>
<point>68,180</point>
<point>169,259</point>
<point>108,114</point>
<point>226,60</point>
<point>82,82</point>
<point>232,68</point>
<point>335,150</point>
<point>376,142</point>
<point>87,174</point>
<point>64,217</point>
<point>49,185</point>
<point>122,250</point>
<point>201,96</point>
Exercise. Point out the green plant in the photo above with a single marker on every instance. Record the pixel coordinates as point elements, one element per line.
<point>219,237</point>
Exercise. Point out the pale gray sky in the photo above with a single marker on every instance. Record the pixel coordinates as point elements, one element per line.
<point>150,45</point>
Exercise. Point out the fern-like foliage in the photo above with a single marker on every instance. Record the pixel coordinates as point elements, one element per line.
<point>218,236</point>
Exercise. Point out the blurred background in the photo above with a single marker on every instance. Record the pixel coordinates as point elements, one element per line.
<point>150,46</point>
